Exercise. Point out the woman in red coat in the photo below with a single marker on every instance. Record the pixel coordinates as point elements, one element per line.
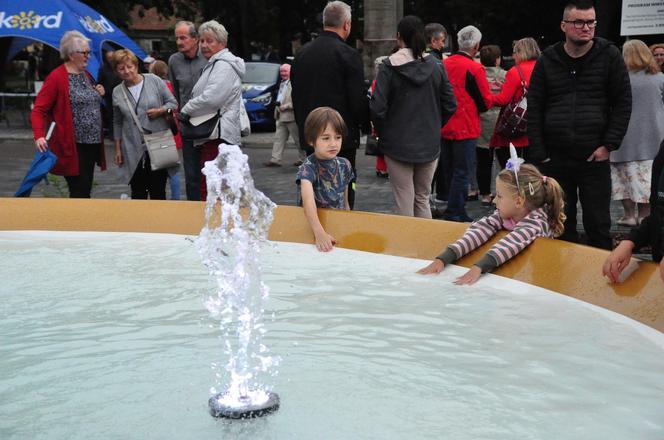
<point>70,98</point>
<point>526,53</point>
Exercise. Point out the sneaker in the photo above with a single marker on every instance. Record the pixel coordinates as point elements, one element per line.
<point>486,200</point>
<point>269,163</point>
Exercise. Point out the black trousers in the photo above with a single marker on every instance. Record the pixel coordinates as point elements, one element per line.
<point>590,183</point>
<point>484,168</point>
<point>147,183</point>
<point>80,186</point>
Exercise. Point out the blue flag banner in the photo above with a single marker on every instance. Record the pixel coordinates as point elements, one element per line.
<point>47,20</point>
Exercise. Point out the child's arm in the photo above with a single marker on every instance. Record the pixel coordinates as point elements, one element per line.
<point>525,232</point>
<point>346,203</point>
<point>476,235</point>
<point>324,241</point>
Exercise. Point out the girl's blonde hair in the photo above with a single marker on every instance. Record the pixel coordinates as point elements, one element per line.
<point>638,57</point>
<point>538,191</point>
<point>318,120</point>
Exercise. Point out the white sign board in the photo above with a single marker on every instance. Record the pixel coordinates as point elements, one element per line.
<point>641,17</point>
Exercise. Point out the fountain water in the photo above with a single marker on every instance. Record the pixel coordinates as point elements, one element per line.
<point>237,220</point>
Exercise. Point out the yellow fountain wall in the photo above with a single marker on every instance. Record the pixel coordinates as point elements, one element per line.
<point>570,269</point>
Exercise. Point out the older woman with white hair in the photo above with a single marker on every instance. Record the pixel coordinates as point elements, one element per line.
<point>71,99</point>
<point>218,90</point>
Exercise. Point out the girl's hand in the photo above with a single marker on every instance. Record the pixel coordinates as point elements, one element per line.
<point>436,266</point>
<point>325,242</point>
<point>617,261</point>
<point>473,274</point>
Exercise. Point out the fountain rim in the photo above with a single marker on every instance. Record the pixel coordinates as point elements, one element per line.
<point>562,267</point>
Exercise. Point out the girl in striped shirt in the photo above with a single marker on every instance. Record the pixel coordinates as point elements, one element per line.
<point>528,205</point>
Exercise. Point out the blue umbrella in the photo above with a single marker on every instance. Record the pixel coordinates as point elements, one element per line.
<point>39,168</point>
<point>47,21</point>
<point>41,165</point>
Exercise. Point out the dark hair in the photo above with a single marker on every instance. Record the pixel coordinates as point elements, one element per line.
<point>319,119</point>
<point>434,29</point>
<point>582,5</point>
<point>489,54</point>
<point>411,31</point>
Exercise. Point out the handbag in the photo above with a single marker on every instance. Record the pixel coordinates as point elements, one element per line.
<point>245,124</point>
<point>193,132</point>
<point>160,145</point>
<point>371,147</point>
<point>513,119</point>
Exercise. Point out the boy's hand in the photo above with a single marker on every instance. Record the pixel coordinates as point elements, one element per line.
<point>473,274</point>
<point>325,242</point>
<point>436,266</point>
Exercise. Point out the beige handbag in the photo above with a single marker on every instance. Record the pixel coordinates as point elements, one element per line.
<point>160,145</point>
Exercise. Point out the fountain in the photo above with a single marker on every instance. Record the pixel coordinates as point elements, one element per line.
<point>229,245</point>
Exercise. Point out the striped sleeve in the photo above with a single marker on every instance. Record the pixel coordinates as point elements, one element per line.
<point>526,231</point>
<point>477,234</point>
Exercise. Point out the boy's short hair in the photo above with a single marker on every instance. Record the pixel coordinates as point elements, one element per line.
<point>319,119</point>
<point>489,54</point>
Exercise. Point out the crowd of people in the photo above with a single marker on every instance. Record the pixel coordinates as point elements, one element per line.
<point>595,121</point>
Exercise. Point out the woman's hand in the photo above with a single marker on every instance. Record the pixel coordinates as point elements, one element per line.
<point>100,89</point>
<point>41,144</point>
<point>436,266</point>
<point>473,274</point>
<point>154,113</point>
<point>118,158</point>
<point>617,260</point>
<point>325,242</point>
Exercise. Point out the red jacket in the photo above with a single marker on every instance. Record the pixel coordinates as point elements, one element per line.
<point>511,92</point>
<point>472,93</point>
<point>52,104</point>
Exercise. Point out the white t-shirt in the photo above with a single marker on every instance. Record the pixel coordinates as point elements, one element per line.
<point>136,91</point>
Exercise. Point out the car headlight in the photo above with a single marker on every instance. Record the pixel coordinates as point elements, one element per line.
<point>264,99</point>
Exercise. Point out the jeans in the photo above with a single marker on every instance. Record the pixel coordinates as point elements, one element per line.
<point>459,153</point>
<point>174,181</point>
<point>191,158</point>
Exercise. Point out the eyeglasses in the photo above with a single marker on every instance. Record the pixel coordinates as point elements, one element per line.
<point>85,53</point>
<point>578,24</point>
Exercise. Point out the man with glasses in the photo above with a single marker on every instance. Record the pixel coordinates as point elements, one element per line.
<point>579,105</point>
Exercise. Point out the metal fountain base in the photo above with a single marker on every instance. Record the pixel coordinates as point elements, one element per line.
<point>220,409</point>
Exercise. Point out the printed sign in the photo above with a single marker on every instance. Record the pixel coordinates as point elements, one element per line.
<point>642,17</point>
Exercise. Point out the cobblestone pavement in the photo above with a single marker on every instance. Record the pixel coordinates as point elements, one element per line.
<point>373,193</point>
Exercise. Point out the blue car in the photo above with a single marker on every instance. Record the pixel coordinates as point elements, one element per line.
<point>259,90</point>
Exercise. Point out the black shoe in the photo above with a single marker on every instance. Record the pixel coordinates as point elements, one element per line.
<point>383,174</point>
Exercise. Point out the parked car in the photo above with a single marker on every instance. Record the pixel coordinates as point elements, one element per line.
<point>259,91</point>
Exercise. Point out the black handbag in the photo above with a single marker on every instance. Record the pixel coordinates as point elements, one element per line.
<point>513,119</point>
<point>203,130</point>
<point>371,147</point>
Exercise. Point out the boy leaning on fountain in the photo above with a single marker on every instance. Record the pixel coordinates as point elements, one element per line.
<point>323,177</point>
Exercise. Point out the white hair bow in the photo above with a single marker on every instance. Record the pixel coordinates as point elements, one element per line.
<point>514,164</point>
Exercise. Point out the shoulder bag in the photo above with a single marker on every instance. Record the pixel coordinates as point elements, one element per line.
<point>513,119</point>
<point>160,145</point>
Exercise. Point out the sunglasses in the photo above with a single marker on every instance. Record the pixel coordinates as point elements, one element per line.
<point>85,53</point>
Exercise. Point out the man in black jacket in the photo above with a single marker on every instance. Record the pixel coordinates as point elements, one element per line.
<point>579,105</point>
<point>328,72</point>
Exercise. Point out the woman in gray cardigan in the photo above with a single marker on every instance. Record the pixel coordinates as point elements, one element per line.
<point>631,164</point>
<point>151,100</point>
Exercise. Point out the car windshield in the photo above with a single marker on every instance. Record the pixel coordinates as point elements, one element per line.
<point>261,73</point>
